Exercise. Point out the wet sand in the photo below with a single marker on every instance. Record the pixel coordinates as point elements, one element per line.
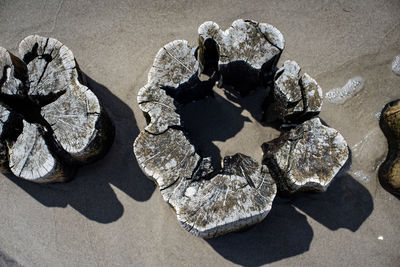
<point>111,214</point>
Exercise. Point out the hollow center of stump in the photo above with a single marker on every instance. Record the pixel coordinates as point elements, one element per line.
<point>225,124</point>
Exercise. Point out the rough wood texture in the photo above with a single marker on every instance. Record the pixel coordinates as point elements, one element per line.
<point>245,55</point>
<point>389,171</point>
<point>295,98</point>
<point>209,202</point>
<point>307,157</point>
<point>4,116</point>
<point>240,196</point>
<point>57,122</point>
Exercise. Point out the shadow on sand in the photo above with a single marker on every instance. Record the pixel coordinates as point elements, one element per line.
<point>90,192</point>
<point>285,232</point>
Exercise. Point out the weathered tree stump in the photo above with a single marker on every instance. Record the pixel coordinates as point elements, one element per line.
<point>389,171</point>
<point>306,158</point>
<point>241,194</point>
<point>212,202</point>
<point>295,98</point>
<point>51,122</point>
<point>245,55</point>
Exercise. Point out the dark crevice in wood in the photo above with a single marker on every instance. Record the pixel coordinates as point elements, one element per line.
<point>28,57</point>
<point>192,90</point>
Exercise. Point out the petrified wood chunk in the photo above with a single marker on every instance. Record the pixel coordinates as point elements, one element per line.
<point>51,122</point>
<point>389,171</point>
<point>295,98</point>
<point>245,55</point>
<point>307,157</point>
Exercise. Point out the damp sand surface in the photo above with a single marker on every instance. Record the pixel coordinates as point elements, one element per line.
<point>109,215</point>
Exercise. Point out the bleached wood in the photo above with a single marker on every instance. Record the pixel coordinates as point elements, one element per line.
<point>31,159</point>
<point>173,65</point>
<point>160,107</point>
<point>296,98</point>
<point>307,157</point>
<point>240,196</point>
<point>62,122</point>
<point>210,203</point>
<point>9,84</point>
<point>4,115</point>
<point>186,180</point>
<point>246,40</point>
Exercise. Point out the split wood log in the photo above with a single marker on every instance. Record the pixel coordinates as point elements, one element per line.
<point>295,98</point>
<point>307,157</point>
<point>58,122</point>
<point>245,55</point>
<point>389,171</point>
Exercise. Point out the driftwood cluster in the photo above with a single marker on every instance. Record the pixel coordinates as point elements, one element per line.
<point>50,121</point>
<point>212,202</point>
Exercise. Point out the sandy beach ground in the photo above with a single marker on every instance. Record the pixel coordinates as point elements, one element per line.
<point>112,215</point>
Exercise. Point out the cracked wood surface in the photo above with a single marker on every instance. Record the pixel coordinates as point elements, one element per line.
<point>210,203</point>
<point>207,203</point>
<point>307,157</point>
<point>245,55</point>
<point>58,122</point>
<point>295,98</point>
<point>249,41</point>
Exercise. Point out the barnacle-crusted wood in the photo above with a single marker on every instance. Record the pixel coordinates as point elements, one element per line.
<point>306,158</point>
<point>295,97</point>
<point>57,121</point>
<point>238,197</point>
<point>247,51</point>
<point>389,171</point>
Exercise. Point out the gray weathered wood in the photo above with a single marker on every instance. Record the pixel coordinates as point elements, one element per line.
<point>165,154</point>
<point>295,98</point>
<point>4,116</point>
<point>245,55</point>
<point>249,41</point>
<point>307,157</point>
<point>31,158</point>
<point>240,196</point>
<point>58,122</point>
<point>208,202</point>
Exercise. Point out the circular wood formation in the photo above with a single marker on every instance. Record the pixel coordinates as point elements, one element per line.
<point>51,122</point>
<point>207,202</point>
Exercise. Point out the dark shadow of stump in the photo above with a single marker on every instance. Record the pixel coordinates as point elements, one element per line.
<point>284,233</point>
<point>211,119</point>
<point>90,192</point>
<point>346,204</point>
